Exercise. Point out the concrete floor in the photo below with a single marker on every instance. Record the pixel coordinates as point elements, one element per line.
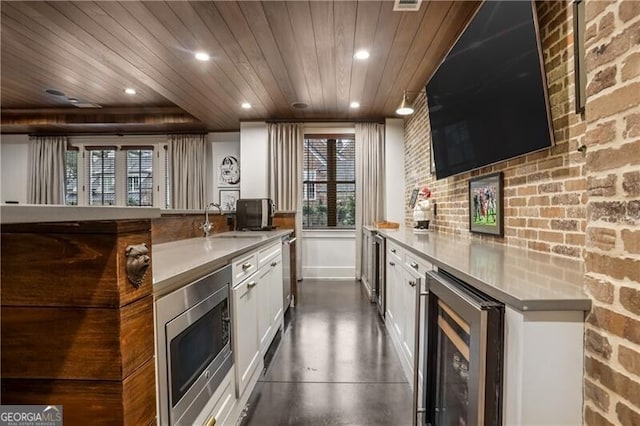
<point>335,365</point>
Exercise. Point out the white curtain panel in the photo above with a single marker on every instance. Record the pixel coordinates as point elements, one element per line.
<point>47,158</point>
<point>187,154</point>
<point>369,181</point>
<point>285,174</point>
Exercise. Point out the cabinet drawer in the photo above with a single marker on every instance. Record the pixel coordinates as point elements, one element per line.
<point>394,251</point>
<point>417,264</point>
<point>244,266</point>
<point>267,254</point>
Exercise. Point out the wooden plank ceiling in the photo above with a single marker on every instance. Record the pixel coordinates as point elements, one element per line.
<point>270,54</point>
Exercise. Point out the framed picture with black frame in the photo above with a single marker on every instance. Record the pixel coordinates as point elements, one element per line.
<point>486,204</point>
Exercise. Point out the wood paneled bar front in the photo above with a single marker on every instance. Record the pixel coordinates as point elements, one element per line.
<point>77,329</point>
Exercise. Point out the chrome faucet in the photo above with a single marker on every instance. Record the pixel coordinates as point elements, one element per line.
<point>207,226</point>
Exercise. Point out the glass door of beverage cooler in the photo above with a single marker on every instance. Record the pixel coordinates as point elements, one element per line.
<point>463,356</point>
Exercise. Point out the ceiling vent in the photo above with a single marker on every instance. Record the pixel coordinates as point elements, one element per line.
<point>407,5</point>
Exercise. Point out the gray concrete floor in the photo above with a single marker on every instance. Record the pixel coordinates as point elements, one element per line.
<point>334,365</point>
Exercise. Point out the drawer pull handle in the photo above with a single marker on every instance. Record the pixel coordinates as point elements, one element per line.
<point>414,265</point>
<point>274,263</point>
<point>412,283</point>
<point>252,284</point>
<point>246,266</point>
<point>393,250</point>
<point>392,263</point>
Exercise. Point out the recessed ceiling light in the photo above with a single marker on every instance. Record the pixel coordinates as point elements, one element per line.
<point>361,54</point>
<point>246,105</point>
<point>355,105</point>
<point>299,105</point>
<point>202,56</point>
<point>130,91</point>
<point>73,100</point>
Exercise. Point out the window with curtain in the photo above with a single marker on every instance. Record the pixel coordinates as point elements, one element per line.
<point>140,177</point>
<point>101,166</point>
<point>71,178</point>
<point>329,184</point>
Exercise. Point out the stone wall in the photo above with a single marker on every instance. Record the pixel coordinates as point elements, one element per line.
<point>584,205</point>
<point>544,199</point>
<point>612,259</point>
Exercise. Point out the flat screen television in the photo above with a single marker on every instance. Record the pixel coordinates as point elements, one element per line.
<point>488,99</point>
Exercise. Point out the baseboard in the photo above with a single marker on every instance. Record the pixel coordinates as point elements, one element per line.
<point>330,272</point>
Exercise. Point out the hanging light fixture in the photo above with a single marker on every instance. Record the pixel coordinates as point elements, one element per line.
<point>406,107</point>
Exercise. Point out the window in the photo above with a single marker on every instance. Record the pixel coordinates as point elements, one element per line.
<point>71,179</point>
<point>329,182</point>
<point>102,177</point>
<point>110,171</point>
<point>140,177</point>
<point>309,188</point>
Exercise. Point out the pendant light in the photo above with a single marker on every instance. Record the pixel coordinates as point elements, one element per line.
<point>406,107</point>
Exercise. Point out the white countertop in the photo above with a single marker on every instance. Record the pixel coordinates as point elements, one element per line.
<point>39,213</point>
<point>179,262</point>
<point>523,279</point>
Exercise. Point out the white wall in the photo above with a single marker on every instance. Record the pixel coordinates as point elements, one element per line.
<point>329,254</point>
<point>254,151</point>
<point>394,169</point>
<point>222,144</point>
<point>14,164</point>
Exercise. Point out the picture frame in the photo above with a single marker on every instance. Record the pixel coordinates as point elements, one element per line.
<point>228,170</point>
<point>228,199</point>
<point>486,204</point>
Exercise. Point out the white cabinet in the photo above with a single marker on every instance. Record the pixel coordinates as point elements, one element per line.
<point>409,282</point>
<point>269,301</point>
<point>394,291</point>
<point>404,272</point>
<point>245,331</point>
<point>257,308</point>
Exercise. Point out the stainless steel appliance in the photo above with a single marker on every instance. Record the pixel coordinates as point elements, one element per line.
<point>464,354</point>
<point>193,338</point>
<point>379,268</point>
<point>254,214</point>
<point>288,245</point>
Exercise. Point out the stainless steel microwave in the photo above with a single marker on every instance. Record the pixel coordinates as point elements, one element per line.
<point>254,214</point>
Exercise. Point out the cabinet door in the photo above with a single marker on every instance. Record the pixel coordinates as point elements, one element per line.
<point>245,326</point>
<point>265,305</point>
<point>276,293</point>
<point>394,294</point>
<point>408,319</point>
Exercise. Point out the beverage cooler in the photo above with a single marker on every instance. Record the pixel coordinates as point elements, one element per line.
<point>463,356</point>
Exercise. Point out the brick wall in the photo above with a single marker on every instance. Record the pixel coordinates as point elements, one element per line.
<point>612,259</point>
<point>584,205</point>
<point>544,200</point>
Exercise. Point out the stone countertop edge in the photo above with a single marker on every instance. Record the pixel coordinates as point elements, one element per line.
<point>539,281</point>
<point>179,263</point>
<point>41,213</point>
